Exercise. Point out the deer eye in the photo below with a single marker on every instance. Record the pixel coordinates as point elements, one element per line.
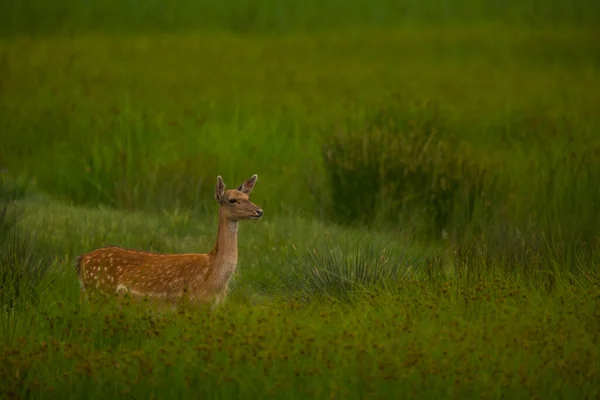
<point>232,201</point>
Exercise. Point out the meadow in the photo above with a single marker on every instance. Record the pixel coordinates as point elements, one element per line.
<point>430,176</point>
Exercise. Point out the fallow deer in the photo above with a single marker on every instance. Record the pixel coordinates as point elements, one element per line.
<point>173,277</point>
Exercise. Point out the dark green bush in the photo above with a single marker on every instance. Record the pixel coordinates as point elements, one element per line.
<point>403,163</point>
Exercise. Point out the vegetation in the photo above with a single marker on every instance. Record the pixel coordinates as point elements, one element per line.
<point>430,178</point>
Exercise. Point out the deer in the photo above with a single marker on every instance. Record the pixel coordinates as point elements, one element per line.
<point>197,278</point>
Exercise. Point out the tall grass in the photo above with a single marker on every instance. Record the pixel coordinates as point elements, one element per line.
<point>107,121</point>
<point>24,262</point>
<point>390,139</point>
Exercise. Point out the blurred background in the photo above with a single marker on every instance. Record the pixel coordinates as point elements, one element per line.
<point>280,17</point>
<point>458,118</point>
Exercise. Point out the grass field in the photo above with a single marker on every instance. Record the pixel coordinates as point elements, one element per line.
<point>430,178</point>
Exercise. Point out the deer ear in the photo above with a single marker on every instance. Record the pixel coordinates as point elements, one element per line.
<point>247,186</point>
<point>219,189</point>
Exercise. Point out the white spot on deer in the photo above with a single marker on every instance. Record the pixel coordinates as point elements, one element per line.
<point>122,288</point>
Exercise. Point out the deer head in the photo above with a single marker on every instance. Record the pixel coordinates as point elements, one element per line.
<point>235,204</point>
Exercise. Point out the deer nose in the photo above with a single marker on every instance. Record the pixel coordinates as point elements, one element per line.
<point>259,212</point>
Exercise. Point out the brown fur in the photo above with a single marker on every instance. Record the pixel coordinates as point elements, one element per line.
<point>198,277</point>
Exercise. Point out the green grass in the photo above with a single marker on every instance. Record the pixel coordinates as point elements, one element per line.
<point>433,333</point>
<point>430,178</point>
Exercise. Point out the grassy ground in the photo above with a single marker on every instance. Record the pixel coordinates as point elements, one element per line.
<point>430,193</point>
<point>431,333</point>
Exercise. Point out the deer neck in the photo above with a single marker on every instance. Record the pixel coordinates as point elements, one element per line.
<point>225,254</point>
